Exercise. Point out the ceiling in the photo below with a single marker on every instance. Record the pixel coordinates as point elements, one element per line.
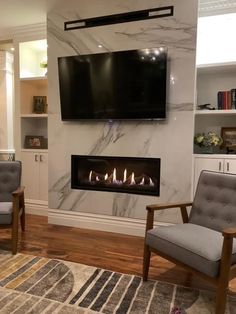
<point>16,13</point>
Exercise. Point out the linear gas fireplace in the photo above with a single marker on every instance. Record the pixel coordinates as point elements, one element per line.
<point>135,175</point>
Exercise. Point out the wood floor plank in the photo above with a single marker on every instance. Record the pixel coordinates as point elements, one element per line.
<point>116,252</point>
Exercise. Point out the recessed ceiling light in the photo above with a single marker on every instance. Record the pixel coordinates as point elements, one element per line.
<point>100,46</point>
<point>12,48</point>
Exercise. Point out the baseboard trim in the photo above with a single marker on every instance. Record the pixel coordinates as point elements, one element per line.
<point>36,209</point>
<point>122,225</point>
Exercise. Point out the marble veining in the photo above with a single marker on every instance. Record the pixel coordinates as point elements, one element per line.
<point>171,139</point>
<point>124,205</point>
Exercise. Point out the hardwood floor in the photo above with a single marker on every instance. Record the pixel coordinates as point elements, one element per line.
<point>116,252</point>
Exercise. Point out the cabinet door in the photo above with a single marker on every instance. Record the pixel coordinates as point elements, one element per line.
<point>230,166</point>
<point>30,174</point>
<point>213,164</point>
<point>43,176</point>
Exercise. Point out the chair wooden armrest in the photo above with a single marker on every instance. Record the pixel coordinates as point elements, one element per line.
<point>152,208</point>
<point>229,233</point>
<point>174,205</point>
<point>18,191</point>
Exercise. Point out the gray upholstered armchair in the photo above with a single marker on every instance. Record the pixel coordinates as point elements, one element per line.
<point>12,205</point>
<point>204,244</point>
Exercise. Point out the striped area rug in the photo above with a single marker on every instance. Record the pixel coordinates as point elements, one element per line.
<point>31,284</point>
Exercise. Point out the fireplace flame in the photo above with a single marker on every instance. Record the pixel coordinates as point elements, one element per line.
<point>114,176</point>
<point>90,176</point>
<point>125,175</point>
<point>142,181</point>
<point>132,179</point>
<point>151,182</point>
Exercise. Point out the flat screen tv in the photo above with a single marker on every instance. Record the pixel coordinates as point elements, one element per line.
<point>114,85</point>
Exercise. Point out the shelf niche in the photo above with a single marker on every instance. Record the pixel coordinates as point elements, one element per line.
<point>212,78</point>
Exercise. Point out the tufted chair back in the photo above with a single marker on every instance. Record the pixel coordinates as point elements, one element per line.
<point>214,204</point>
<point>10,177</point>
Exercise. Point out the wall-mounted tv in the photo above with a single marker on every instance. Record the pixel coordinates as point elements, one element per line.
<point>114,85</point>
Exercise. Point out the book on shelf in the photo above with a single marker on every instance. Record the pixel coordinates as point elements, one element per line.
<point>226,99</point>
<point>233,98</point>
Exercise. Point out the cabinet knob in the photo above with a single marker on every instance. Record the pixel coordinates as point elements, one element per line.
<point>41,157</point>
<point>219,165</point>
<point>36,158</point>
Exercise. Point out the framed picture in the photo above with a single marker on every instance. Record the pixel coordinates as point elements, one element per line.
<point>229,138</point>
<point>39,104</point>
<point>34,141</point>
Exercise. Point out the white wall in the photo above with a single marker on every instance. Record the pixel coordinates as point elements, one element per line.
<point>215,40</point>
<point>6,102</point>
<point>171,140</point>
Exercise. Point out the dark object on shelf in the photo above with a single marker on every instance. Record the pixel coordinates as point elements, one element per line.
<point>205,107</point>
<point>226,99</point>
<point>233,98</point>
<point>39,104</point>
<point>120,18</point>
<point>229,139</point>
<point>44,143</point>
<point>34,142</point>
<point>231,149</point>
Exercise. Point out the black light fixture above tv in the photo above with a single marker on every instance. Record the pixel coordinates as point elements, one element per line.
<point>147,14</point>
<point>115,85</point>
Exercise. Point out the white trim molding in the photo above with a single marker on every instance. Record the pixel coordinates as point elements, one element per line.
<point>122,225</point>
<point>216,7</point>
<point>36,208</point>
<point>7,151</point>
<point>20,33</point>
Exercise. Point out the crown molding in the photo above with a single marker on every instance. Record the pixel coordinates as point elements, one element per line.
<point>26,32</point>
<point>216,7</point>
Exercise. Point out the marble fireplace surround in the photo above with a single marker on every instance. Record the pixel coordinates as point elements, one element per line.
<point>171,140</point>
<point>134,175</point>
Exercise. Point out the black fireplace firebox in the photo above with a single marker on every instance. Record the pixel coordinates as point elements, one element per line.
<point>136,175</point>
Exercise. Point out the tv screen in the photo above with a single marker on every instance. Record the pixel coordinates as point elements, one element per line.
<point>114,85</point>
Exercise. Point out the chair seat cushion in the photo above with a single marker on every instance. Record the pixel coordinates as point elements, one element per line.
<point>5,213</point>
<point>193,245</point>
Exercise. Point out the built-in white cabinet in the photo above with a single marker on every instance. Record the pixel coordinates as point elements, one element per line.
<point>219,163</point>
<point>33,119</point>
<point>216,72</point>
<point>35,175</point>
<point>211,79</point>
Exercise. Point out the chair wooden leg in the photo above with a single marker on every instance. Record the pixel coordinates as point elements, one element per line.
<point>22,219</point>
<point>14,236</point>
<point>221,298</point>
<point>223,281</point>
<point>146,262</point>
<point>15,223</point>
